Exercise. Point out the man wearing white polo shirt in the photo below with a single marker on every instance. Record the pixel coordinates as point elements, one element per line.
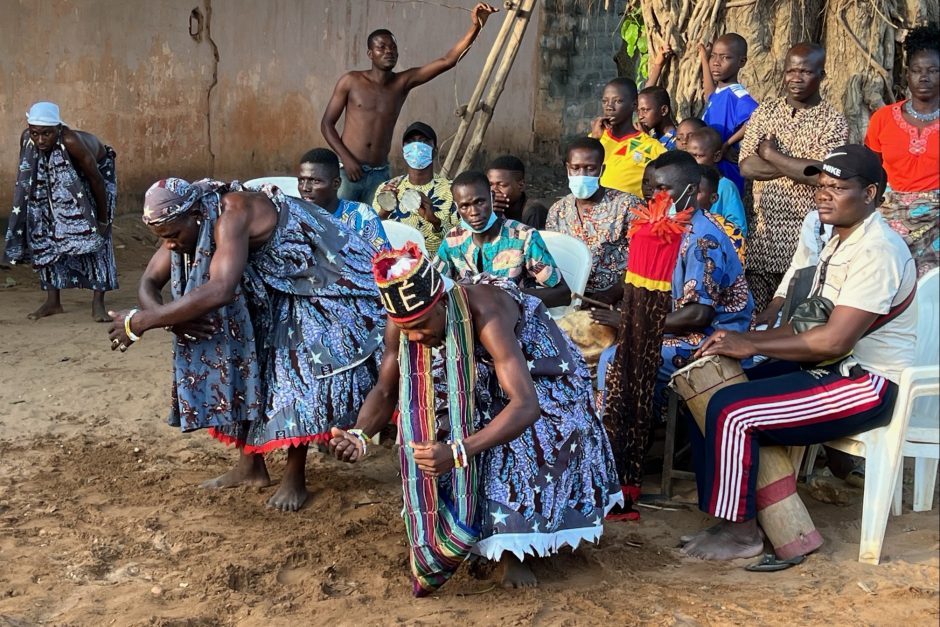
<point>860,335</point>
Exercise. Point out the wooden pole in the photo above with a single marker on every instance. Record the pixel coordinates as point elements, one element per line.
<point>466,117</point>
<point>523,15</point>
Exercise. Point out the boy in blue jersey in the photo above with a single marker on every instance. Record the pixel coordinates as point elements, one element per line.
<point>729,104</point>
<point>705,145</point>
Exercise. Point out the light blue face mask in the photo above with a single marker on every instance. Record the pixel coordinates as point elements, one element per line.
<point>418,155</point>
<point>584,186</point>
<point>489,223</point>
<point>673,210</point>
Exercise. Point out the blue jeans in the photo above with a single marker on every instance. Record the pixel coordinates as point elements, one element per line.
<point>363,190</point>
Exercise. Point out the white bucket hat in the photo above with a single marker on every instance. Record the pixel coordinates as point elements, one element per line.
<point>44,114</point>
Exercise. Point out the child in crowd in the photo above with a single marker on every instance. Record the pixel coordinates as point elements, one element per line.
<point>705,145</point>
<point>685,128</point>
<point>626,150</point>
<point>654,112</point>
<point>729,104</point>
<point>708,197</point>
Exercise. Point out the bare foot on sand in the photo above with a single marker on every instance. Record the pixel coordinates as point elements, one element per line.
<point>290,496</point>
<point>292,493</point>
<point>99,313</point>
<point>683,540</point>
<point>729,541</point>
<point>515,574</point>
<point>47,309</point>
<point>250,471</point>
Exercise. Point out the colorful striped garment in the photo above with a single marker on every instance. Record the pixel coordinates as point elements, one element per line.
<point>439,514</point>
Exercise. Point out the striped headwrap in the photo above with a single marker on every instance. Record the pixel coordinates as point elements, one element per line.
<point>439,512</point>
<point>168,199</point>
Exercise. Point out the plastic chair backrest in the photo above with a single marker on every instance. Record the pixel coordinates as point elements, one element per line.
<point>927,301</point>
<point>573,258</point>
<point>288,184</point>
<point>398,234</point>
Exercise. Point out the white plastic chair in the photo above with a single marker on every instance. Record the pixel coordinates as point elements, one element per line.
<point>288,184</point>
<point>399,234</point>
<point>884,448</point>
<point>573,258</point>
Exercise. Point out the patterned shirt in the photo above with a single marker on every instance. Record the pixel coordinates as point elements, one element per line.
<point>518,254</point>
<point>362,219</point>
<point>603,229</point>
<point>438,190</point>
<point>708,272</point>
<point>625,158</point>
<point>781,204</point>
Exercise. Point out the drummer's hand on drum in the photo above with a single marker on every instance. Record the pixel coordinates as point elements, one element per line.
<point>607,317</point>
<point>426,210</point>
<point>727,343</point>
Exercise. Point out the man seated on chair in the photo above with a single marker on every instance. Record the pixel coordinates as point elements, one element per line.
<point>507,180</point>
<point>484,241</point>
<point>868,276</point>
<point>597,216</point>
<point>318,180</point>
<point>436,213</point>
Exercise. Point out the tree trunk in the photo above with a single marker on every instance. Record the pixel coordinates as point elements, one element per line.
<point>860,36</point>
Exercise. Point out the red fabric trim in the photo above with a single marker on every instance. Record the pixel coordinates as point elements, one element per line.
<point>627,517</point>
<point>621,139</point>
<point>776,491</point>
<point>420,312</point>
<point>271,445</point>
<point>803,545</point>
<point>631,493</point>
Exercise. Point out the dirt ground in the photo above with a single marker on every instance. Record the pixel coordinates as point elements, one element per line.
<point>102,522</point>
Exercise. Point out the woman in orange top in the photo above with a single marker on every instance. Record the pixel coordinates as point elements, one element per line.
<point>907,136</point>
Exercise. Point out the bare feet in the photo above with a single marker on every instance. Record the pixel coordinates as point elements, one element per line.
<point>515,574</point>
<point>726,541</point>
<point>51,307</point>
<point>250,471</point>
<point>292,493</point>
<point>99,313</point>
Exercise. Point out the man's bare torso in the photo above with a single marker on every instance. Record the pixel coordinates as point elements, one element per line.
<point>372,110</point>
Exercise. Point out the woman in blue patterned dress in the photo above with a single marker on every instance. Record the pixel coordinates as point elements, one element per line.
<point>264,278</point>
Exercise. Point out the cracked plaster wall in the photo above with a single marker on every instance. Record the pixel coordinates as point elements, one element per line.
<point>129,72</point>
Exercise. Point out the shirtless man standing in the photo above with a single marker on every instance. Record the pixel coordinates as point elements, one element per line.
<point>373,99</point>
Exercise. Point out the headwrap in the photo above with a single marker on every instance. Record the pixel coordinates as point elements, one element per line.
<point>168,199</point>
<point>44,114</point>
<point>655,238</point>
<point>407,281</point>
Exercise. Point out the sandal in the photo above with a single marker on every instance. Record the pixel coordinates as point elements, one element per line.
<point>770,563</point>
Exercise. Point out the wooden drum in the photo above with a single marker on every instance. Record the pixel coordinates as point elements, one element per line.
<point>780,511</point>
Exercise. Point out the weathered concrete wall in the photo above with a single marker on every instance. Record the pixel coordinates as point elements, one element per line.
<point>578,41</point>
<point>131,73</point>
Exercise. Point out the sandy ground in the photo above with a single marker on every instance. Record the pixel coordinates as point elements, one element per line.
<point>101,521</point>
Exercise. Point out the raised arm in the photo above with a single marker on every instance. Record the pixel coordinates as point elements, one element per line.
<point>657,63</point>
<point>420,75</point>
<point>334,109</point>
<point>708,83</point>
<point>85,159</point>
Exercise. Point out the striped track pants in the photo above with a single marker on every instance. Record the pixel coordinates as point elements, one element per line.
<point>779,405</point>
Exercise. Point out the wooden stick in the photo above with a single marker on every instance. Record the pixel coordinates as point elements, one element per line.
<point>523,15</point>
<point>591,301</point>
<point>474,103</point>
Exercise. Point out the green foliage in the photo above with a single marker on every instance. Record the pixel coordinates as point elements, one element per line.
<point>633,32</point>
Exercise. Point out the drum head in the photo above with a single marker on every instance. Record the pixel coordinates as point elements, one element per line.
<point>410,200</point>
<point>386,201</point>
<point>592,338</point>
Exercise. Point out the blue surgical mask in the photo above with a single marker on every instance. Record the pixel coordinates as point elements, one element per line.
<point>673,210</point>
<point>584,186</point>
<point>418,155</point>
<point>486,228</point>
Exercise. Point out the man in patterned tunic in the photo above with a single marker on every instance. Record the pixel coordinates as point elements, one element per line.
<point>260,283</point>
<point>597,216</point>
<point>528,467</point>
<point>63,205</point>
<point>784,136</point>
